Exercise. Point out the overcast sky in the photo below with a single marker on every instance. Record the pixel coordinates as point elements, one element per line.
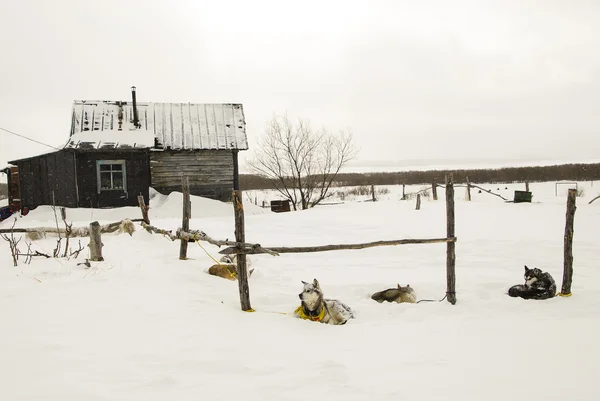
<point>413,80</point>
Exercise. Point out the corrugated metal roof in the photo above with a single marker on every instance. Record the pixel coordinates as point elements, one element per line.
<point>175,126</point>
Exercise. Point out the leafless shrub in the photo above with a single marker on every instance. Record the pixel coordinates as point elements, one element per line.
<point>301,161</point>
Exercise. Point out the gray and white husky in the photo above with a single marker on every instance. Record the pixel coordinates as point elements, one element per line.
<point>315,307</point>
<point>538,285</point>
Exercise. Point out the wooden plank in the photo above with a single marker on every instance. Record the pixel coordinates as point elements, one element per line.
<point>223,170</point>
<point>198,155</point>
<point>222,140</point>
<point>187,211</point>
<point>176,126</point>
<point>149,114</point>
<point>252,249</point>
<point>95,244</point>
<point>53,176</point>
<point>44,188</point>
<point>203,125</point>
<point>159,129</point>
<point>70,180</point>
<point>211,126</point>
<point>568,245</point>
<point>181,153</point>
<point>220,165</point>
<point>468,190</point>
<point>97,120</point>
<point>451,246</point>
<point>236,171</point>
<point>35,181</point>
<point>229,126</point>
<point>193,160</point>
<point>143,209</point>
<point>61,183</point>
<point>194,127</point>
<point>240,237</point>
<point>107,113</point>
<point>195,189</point>
<point>194,179</point>
<point>186,128</point>
<point>195,170</point>
<point>223,167</point>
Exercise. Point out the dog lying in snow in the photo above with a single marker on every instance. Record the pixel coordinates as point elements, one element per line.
<point>538,285</point>
<point>316,308</point>
<point>399,295</point>
<point>227,267</point>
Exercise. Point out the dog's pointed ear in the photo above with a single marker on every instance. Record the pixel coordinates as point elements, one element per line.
<point>304,282</point>
<point>316,283</point>
<point>399,286</point>
<point>407,285</point>
<point>526,268</point>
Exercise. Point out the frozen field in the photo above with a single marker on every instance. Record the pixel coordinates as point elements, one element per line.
<point>144,325</point>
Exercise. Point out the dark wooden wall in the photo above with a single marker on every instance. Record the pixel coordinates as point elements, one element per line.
<point>42,176</point>
<point>210,172</point>
<point>137,175</point>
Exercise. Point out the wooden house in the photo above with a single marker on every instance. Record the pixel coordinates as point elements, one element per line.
<point>119,149</point>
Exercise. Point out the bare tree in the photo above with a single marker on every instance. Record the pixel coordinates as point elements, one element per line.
<point>301,161</point>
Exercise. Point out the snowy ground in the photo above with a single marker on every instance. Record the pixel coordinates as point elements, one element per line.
<point>144,325</point>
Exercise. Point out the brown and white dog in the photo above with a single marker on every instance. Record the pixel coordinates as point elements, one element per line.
<point>399,295</point>
<point>227,268</point>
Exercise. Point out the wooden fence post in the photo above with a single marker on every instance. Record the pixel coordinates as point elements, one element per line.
<point>568,251</point>
<point>95,244</point>
<point>187,211</point>
<point>373,192</point>
<point>403,194</point>
<point>143,208</point>
<point>434,190</point>
<point>450,246</point>
<point>468,190</point>
<point>240,237</point>
<point>527,186</point>
<point>418,207</point>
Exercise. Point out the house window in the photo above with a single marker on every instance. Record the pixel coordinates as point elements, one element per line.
<point>111,175</point>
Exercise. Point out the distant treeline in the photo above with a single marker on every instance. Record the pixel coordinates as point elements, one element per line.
<point>571,172</point>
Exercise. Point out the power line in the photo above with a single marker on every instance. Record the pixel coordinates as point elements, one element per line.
<point>29,139</point>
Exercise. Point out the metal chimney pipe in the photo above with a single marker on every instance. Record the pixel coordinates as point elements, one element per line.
<point>136,120</point>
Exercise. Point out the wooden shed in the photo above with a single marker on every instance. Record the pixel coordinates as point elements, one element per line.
<point>73,178</point>
<point>119,149</point>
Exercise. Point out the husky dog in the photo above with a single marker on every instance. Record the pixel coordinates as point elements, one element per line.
<point>538,285</point>
<point>127,226</point>
<point>232,260</point>
<point>399,295</point>
<point>227,268</point>
<point>315,307</point>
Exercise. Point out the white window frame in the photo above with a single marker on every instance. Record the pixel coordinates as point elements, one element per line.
<point>111,162</point>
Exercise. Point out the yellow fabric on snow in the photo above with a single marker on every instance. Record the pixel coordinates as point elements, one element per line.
<point>300,312</point>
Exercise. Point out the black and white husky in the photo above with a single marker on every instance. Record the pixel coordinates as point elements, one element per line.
<point>538,285</point>
<point>315,307</point>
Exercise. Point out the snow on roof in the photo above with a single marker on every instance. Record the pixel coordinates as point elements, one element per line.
<point>111,139</point>
<point>174,125</point>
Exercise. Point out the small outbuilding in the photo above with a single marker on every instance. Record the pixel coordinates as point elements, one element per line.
<point>117,150</point>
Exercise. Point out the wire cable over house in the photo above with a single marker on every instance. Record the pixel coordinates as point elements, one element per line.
<point>29,139</point>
